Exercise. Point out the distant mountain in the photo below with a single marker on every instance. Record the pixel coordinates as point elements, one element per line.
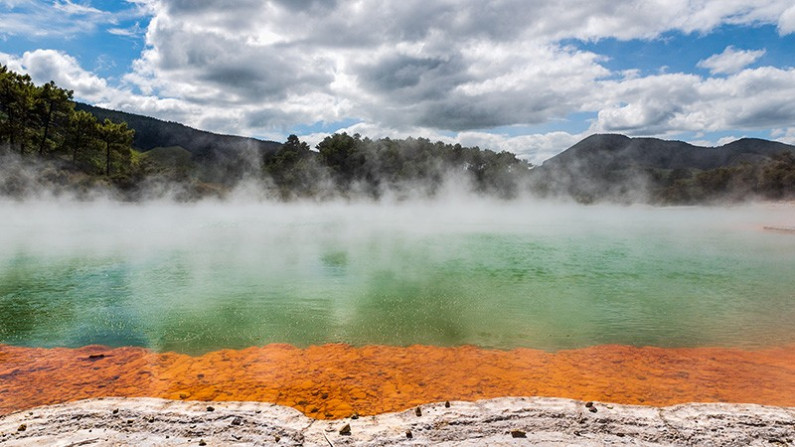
<point>222,157</point>
<point>606,150</point>
<point>617,167</point>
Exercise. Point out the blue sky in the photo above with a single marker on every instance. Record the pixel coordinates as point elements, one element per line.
<point>529,76</point>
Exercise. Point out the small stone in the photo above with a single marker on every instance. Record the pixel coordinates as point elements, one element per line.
<point>210,408</point>
<point>346,430</point>
<point>588,404</point>
<point>277,438</point>
<point>324,396</point>
<point>237,421</point>
<point>620,435</point>
<point>592,409</point>
<point>418,411</point>
<point>355,415</point>
<point>22,427</point>
<point>408,434</point>
<point>115,411</point>
<point>518,434</point>
<point>447,404</point>
<point>151,420</point>
<point>201,442</point>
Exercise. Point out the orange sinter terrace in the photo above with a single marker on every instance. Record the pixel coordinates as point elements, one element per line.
<point>337,380</point>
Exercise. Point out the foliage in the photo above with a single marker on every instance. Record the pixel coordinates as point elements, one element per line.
<point>42,120</point>
<point>87,146</point>
<point>417,165</point>
<point>773,179</point>
<point>117,141</point>
<point>220,159</point>
<point>622,169</point>
<point>294,169</point>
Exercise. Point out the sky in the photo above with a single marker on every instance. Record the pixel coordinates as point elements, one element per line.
<point>532,77</point>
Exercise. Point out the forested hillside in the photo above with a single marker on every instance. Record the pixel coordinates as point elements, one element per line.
<point>60,146</point>
<point>50,143</point>
<point>619,168</point>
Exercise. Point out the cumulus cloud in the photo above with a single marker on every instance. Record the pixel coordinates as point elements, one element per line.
<point>445,65</point>
<point>786,23</point>
<point>447,69</point>
<point>672,103</point>
<point>730,61</point>
<point>50,65</point>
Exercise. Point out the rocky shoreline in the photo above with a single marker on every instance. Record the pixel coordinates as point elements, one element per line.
<point>494,422</point>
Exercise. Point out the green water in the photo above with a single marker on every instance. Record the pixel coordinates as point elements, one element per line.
<point>204,277</point>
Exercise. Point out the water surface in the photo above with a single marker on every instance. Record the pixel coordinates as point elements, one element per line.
<point>201,277</point>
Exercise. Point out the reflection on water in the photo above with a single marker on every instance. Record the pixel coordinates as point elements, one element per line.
<point>334,381</point>
<point>198,278</point>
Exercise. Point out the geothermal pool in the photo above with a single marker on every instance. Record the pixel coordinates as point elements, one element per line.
<point>292,302</point>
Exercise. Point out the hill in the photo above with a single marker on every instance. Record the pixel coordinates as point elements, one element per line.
<point>617,167</point>
<point>50,143</point>
<point>220,158</point>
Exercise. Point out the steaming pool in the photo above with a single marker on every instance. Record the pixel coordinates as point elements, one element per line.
<point>432,283</point>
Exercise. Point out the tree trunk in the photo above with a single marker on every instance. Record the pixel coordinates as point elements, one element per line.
<point>46,130</point>
<point>107,158</point>
<point>76,143</point>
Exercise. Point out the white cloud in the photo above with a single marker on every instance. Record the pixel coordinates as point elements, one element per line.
<point>730,61</point>
<point>727,140</point>
<point>61,18</point>
<point>50,65</point>
<point>534,148</point>
<point>447,65</point>
<point>133,31</point>
<point>785,135</point>
<point>71,8</point>
<point>448,70</point>
<point>786,23</point>
<point>754,99</point>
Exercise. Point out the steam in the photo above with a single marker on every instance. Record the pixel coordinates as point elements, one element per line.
<point>450,270</point>
<point>242,175</point>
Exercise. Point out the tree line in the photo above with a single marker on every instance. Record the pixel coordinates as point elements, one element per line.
<point>773,179</point>
<point>41,121</point>
<point>43,124</point>
<point>350,164</point>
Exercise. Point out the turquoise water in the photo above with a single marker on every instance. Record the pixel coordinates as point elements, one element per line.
<point>195,278</point>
